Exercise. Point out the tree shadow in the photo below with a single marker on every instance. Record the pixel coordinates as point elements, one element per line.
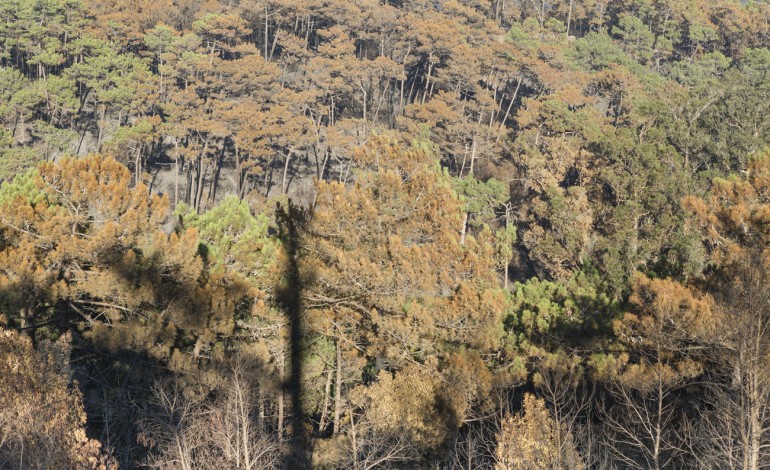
<point>120,349</point>
<point>291,221</point>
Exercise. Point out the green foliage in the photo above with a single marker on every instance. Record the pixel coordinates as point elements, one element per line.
<point>160,38</point>
<point>545,317</point>
<point>234,238</point>
<point>744,107</point>
<point>636,37</point>
<point>480,198</point>
<point>559,238</point>
<point>116,78</point>
<point>37,32</point>
<point>22,186</point>
<point>523,35</point>
<point>422,142</point>
<point>16,161</point>
<point>597,51</point>
<point>704,70</point>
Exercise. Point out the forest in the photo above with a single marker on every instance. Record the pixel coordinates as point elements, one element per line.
<point>364,234</point>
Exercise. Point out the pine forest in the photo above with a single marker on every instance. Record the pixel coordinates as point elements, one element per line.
<point>384,234</point>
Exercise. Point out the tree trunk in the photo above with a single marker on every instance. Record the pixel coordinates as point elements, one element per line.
<point>281,404</point>
<point>100,137</point>
<point>199,184</point>
<point>325,408</point>
<point>323,164</point>
<point>238,173</point>
<point>338,390</point>
<point>176,173</point>
<point>189,189</point>
<point>363,92</point>
<point>267,181</point>
<point>267,29</point>
<point>215,178</point>
<point>22,135</point>
<point>138,166</point>
<point>275,43</point>
<point>24,316</point>
<point>474,145</point>
<point>284,181</point>
<point>427,78</point>
<point>510,105</point>
<point>505,276</point>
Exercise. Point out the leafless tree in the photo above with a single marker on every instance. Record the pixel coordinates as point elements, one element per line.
<point>734,431</point>
<point>569,397</point>
<point>639,425</point>
<point>169,429</point>
<point>225,432</point>
<point>475,445</point>
<point>371,447</point>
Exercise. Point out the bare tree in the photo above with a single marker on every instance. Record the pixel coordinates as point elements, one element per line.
<point>735,431</point>
<point>168,429</point>
<point>663,336</point>
<point>590,439</point>
<point>639,425</point>
<point>561,383</point>
<point>242,440</point>
<point>475,445</point>
<point>225,432</point>
<point>376,448</point>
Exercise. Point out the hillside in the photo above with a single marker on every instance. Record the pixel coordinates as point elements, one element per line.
<point>384,234</point>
